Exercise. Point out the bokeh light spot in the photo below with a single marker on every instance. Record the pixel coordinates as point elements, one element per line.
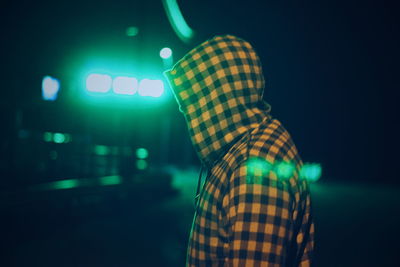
<point>153,88</point>
<point>132,31</point>
<point>284,170</point>
<point>311,172</point>
<point>50,88</point>
<point>101,150</point>
<point>58,138</point>
<point>257,168</point>
<point>142,153</point>
<point>125,85</point>
<point>165,53</point>
<point>100,83</point>
<point>141,164</point>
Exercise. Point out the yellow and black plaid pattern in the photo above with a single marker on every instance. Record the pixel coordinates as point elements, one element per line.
<point>219,86</point>
<point>243,217</point>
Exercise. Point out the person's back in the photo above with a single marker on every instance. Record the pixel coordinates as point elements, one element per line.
<point>253,209</point>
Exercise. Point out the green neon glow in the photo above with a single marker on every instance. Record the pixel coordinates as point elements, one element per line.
<point>101,150</point>
<point>311,172</point>
<point>153,88</point>
<point>258,167</point>
<point>65,184</point>
<point>142,153</point>
<point>178,23</point>
<point>110,180</point>
<point>165,53</point>
<point>114,59</point>
<point>99,83</point>
<point>132,31</point>
<point>141,164</point>
<point>125,85</point>
<point>284,170</point>
<point>58,138</point>
<point>107,63</point>
<point>48,137</point>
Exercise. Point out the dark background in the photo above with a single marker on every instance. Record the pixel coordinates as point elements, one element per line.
<point>332,79</point>
<point>330,67</point>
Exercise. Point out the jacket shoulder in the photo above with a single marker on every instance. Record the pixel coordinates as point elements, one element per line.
<point>270,141</point>
<point>273,142</point>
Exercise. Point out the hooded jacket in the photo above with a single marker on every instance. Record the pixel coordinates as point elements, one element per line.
<point>253,209</point>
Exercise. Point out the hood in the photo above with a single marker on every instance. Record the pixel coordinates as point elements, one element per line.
<point>219,87</point>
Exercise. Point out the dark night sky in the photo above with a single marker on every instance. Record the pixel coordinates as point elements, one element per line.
<point>332,67</point>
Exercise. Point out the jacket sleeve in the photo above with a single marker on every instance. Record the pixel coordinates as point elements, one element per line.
<point>258,208</point>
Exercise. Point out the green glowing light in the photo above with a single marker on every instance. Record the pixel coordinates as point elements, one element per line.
<point>178,23</point>
<point>99,83</point>
<point>258,167</point>
<point>132,31</point>
<point>101,150</point>
<point>142,153</point>
<point>48,137</point>
<point>110,180</point>
<point>65,184</point>
<point>284,170</point>
<point>165,53</point>
<point>311,172</point>
<point>58,138</point>
<point>153,88</point>
<point>141,164</point>
<point>125,85</point>
<point>50,88</point>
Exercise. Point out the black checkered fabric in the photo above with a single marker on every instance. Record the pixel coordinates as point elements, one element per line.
<point>246,215</point>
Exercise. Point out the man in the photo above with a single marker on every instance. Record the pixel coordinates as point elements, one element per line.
<point>253,210</point>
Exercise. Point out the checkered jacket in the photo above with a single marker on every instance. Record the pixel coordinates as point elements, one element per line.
<point>252,210</point>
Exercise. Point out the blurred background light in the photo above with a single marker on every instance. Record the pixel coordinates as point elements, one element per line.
<point>177,21</point>
<point>59,138</point>
<point>100,83</point>
<point>125,85</point>
<point>50,88</point>
<point>47,136</point>
<point>142,153</point>
<point>258,167</point>
<point>153,88</point>
<point>110,180</point>
<point>68,138</point>
<point>65,184</point>
<point>101,150</point>
<point>284,170</point>
<point>165,53</point>
<point>311,172</point>
<point>167,57</point>
<point>141,164</point>
<point>132,31</point>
